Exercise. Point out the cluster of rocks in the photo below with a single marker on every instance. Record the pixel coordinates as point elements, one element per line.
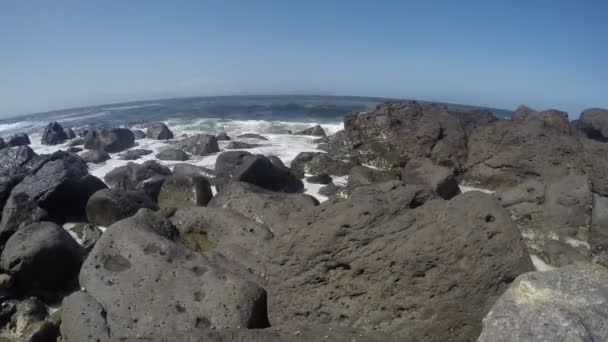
<point>396,253</point>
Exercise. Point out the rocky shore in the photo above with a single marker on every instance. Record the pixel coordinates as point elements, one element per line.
<point>240,253</point>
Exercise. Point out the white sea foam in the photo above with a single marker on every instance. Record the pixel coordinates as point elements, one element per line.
<point>466,188</point>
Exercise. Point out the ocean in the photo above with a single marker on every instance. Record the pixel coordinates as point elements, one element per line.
<point>271,116</point>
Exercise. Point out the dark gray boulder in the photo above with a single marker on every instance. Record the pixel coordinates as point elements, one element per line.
<point>135,154</point>
<point>200,145</point>
<point>594,124</point>
<point>184,190</point>
<point>178,290</point>
<point>239,145</point>
<point>159,131</point>
<point>15,160</point>
<point>299,163</point>
<point>266,207</point>
<point>42,257</point>
<point>133,176</point>
<point>252,136</point>
<point>566,304</point>
<point>107,206</point>
<point>83,319</point>
<point>425,172</point>
<point>109,140</point>
<point>2,144</point>
<point>53,134</point>
<point>70,133</point>
<point>223,137</point>
<point>227,163</point>
<point>320,179</point>
<point>316,131</point>
<point>19,210</point>
<point>19,139</point>
<point>61,186</point>
<point>387,259</point>
<point>363,175</point>
<point>172,154</point>
<point>95,156</point>
<point>261,171</point>
<point>7,183</point>
<point>139,134</point>
<point>237,237</point>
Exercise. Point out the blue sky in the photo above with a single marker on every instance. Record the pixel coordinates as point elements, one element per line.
<point>59,54</point>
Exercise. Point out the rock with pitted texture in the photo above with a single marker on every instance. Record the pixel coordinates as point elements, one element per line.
<point>53,134</point>
<point>107,206</point>
<point>159,131</point>
<point>109,140</point>
<point>83,319</point>
<point>439,178</point>
<point>70,133</point>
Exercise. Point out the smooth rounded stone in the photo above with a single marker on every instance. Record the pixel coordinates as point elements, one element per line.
<point>135,154</point>
<point>19,210</point>
<point>159,131</point>
<point>237,145</point>
<point>83,319</point>
<point>223,136</point>
<point>73,149</point>
<point>173,154</point>
<point>227,232</point>
<point>439,178</point>
<point>316,131</point>
<point>107,206</point>
<point>388,259</point>
<point>61,187</point>
<point>265,207</point>
<point>594,123</point>
<point>252,136</point>
<point>552,120</point>
<point>95,156</point>
<point>42,257</point>
<point>133,176</point>
<point>70,133</point>
<point>329,190</point>
<point>178,290</point>
<point>2,144</point>
<point>261,171</point>
<point>19,139</point>
<point>16,160</point>
<point>109,140</point>
<point>362,175</point>
<point>86,234</point>
<point>139,134</point>
<point>184,190</point>
<point>76,142</point>
<point>565,304</point>
<point>320,179</point>
<point>53,134</point>
<point>200,145</point>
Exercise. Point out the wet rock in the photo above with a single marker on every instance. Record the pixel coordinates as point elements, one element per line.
<point>223,137</point>
<point>95,156</point>
<point>83,319</point>
<point>135,154</point>
<point>379,261</point>
<point>566,304</point>
<point>200,145</point>
<point>70,133</point>
<point>363,175</point>
<point>438,178</point>
<point>107,206</point>
<point>19,139</point>
<point>136,176</point>
<point>319,179</point>
<point>184,190</point>
<point>109,140</point>
<point>159,131</point>
<point>252,136</point>
<point>263,206</point>
<point>173,154</point>
<point>178,290</point>
<point>237,145</point>
<point>316,131</point>
<point>139,134</point>
<point>53,134</point>
<point>61,187</point>
<point>261,171</point>
<point>87,234</point>
<point>2,144</point>
<point>42,257</point>
<point>299,163</point>
<point>17,160</point>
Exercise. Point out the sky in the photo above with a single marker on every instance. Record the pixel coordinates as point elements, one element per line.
<point>543,53</point>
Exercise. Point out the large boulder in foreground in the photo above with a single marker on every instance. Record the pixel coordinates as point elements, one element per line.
<point>53,134</point>
<point>439,178</point>
<point>83,319</point>
<point>159,131</point>
<point>109,140</point>
<point>566,304</point>
<point>200,145</point>
<point>177,290</point>
<point>42,257</point>
<point>594,124</point>
<point>107,206</point>
<point>263,206</point>
<point>426,271</point>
